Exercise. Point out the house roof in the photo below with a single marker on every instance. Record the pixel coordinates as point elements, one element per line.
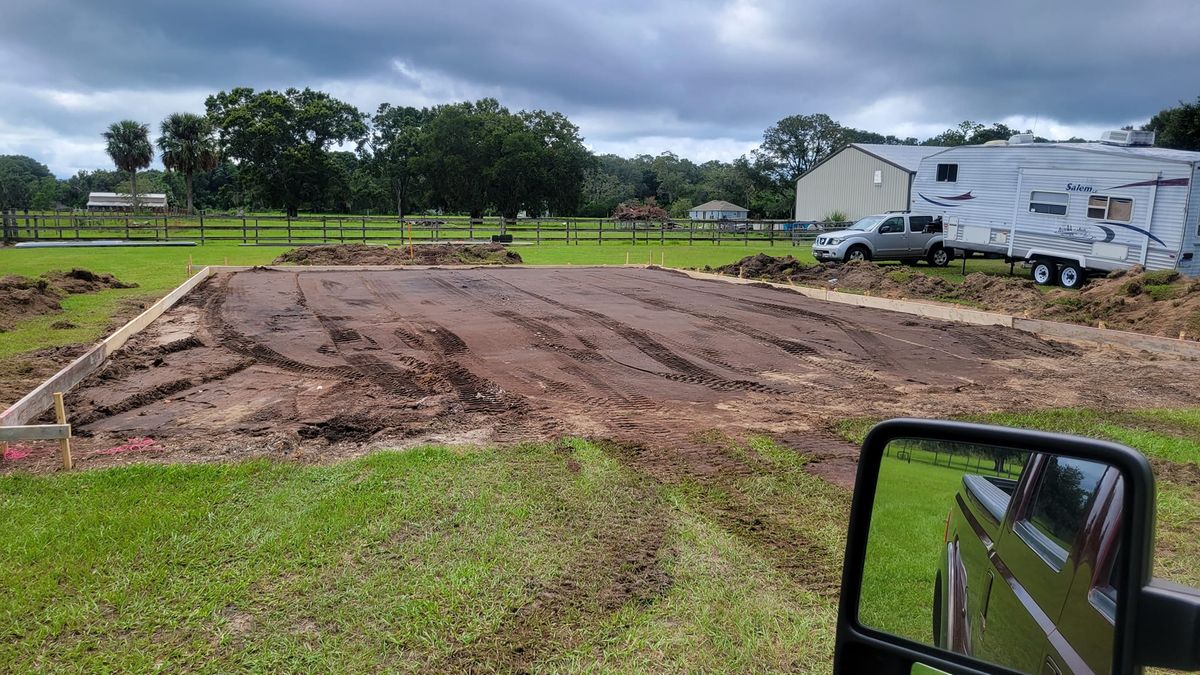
<point>718,205</point>
<point>907,157</point>
<point>903,157</point>
<point>121,199</point>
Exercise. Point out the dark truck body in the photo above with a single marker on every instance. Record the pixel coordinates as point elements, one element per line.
<point>1025,577</point>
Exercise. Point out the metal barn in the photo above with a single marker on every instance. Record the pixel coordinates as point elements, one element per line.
<point>859,180</point>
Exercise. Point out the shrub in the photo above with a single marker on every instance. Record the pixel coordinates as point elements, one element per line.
<point>837,217</point>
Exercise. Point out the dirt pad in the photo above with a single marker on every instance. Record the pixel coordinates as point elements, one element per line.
<point>22,297</point>
<point>331,364</point>
<point>1158,303</point>
<point>423,254</point>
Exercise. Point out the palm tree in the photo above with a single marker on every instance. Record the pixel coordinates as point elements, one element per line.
<point>130,149</point>
<point>188,146</point>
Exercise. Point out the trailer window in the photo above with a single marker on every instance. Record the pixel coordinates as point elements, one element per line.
<point>947,173</point>
<point>1110,208</point>
<point>1054,203</point>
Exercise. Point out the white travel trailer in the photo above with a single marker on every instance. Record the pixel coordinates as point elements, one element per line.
<point>1067,209</point>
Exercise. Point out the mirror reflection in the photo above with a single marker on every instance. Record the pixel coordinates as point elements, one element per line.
<point>997,553</point>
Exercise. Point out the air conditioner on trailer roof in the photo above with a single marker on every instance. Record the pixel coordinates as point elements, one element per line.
<point>1127,137</point>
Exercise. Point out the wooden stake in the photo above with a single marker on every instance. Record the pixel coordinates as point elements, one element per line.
<point>189,267</point>
<point>64,445</point>
<point>1182,335</point>
<point>227,261</point>
<point>626,257</point>
<point>1102,325</point>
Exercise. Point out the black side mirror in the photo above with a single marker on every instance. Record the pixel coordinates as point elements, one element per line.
<point>982,549</point>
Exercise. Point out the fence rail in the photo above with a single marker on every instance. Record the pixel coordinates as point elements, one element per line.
<point>273,230</point>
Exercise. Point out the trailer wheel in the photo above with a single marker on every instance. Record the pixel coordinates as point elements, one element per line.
<point>937,610</point>
<point>939,256</point>
<point>858,252</point>
<point>1071,276</point>
<point>1044,272</point>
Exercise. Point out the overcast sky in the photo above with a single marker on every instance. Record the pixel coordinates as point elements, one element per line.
<point>702,78</point>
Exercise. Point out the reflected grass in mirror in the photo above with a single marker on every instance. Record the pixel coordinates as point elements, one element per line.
<point>917,484</point>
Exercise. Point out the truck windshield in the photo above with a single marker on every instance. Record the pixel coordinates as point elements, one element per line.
<point>866,223</point>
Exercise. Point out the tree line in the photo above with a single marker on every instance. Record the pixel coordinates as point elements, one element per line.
<point>297,150</point>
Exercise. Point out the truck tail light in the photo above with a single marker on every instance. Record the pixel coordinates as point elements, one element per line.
<point>946,533</point>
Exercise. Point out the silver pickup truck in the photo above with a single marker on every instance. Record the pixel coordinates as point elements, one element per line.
<point>887,236</point>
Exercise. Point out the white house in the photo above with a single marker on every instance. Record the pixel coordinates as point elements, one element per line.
<point>718,210</point>
<point>859,180</point>
<point>114,201</point>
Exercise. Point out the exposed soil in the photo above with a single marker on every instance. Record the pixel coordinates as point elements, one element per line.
<point>19,374</point>
<point>319,365</point>
<point>23,298</point>
<point>421,254</point>
<point>1157,303</point>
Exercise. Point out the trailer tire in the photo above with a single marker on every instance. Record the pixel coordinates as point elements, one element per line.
<point>858,252</point>
<point>939,256</point>
<point>1044,272</point>
<point>937,610</point>
<point>1071,276</point>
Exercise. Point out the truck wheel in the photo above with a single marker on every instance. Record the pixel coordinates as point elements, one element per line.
<point>1071,276</point>
<point>1044,272</point>
<point>858,252</point>
<point>939,256</point>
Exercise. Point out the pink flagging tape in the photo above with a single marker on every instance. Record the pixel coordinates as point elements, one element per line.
<point>15,452</point>
<point>134,445</point>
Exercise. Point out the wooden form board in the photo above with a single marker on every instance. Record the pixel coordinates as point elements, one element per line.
<point>1070,331</point>
<point>35,432</point>
<point>40,399</point>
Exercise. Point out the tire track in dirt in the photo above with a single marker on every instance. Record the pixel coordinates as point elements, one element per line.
<point>235,341</point>
<point>682,369</point>
<point>475,393</point>
<point>803,351</point>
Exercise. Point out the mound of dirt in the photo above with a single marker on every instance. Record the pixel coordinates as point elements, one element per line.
<point>83,281</point>
<point>763,266</point>
<point>22,297</point>
<point>425,254</point>
<point>1002,294</point>
<point>1159,303</point>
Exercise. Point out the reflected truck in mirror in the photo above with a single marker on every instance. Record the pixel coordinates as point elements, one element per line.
<point>1027,573</point>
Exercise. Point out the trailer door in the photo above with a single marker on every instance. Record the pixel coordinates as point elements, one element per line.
<point>1099,217</point>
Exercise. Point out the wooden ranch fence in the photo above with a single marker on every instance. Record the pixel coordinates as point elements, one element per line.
<point>272,230</point>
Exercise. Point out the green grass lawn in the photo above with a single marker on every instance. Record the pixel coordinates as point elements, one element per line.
<point>432,559</point>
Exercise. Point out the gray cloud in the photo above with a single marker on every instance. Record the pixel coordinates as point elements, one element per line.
<point>707,77</point>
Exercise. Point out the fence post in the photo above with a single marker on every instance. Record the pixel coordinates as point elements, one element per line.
<point>324,229</point>
<point>201,228</point>
<point>244,228</point>
<point>599,232</point>
<point>470,230</point>
<point>662,233</point>
<point>289,227</point>
<point>126,228</point>
<point>771,236</point>
<point>364,229</point>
